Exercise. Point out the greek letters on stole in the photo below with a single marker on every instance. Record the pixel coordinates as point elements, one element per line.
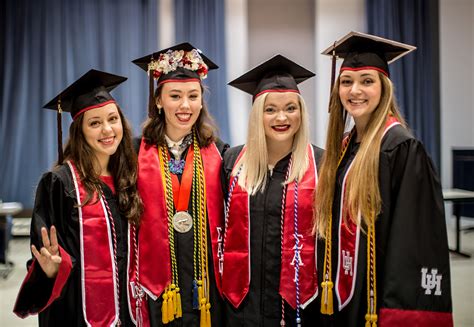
<point>236,270</point>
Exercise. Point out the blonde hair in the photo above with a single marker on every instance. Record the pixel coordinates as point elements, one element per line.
<point>362,190</point>
<point>254,162</point>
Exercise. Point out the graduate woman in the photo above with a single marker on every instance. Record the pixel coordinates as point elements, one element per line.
<point>269,269</point>
<point>179,163</point>
<point>383,256</point>
<point>78,274</point>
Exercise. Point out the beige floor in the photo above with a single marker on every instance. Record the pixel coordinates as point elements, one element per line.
<point>462,281</point>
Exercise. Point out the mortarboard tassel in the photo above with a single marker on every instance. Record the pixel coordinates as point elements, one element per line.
<point>151,96</point>
<point>60,132</point>
<point>333,70</point>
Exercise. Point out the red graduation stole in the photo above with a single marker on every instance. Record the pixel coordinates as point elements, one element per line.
<point>236,272</point>
<point>98,284</point>
<point>153,243</point>
<point>349,235</point>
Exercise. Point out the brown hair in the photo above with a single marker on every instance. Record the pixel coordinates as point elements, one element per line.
<point>122,165</point>
<point>155,126</point>
<point>362,189</point>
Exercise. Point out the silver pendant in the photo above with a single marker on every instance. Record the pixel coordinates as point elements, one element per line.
<point>182,222</point>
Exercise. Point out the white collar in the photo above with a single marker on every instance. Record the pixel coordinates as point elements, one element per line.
<point>172,143</point>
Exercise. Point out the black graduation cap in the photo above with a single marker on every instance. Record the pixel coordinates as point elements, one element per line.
<point>277,74</point>
<point>179,73</point>
<point>173,73</point>
<point>366,51</point>
<point>90,91</point>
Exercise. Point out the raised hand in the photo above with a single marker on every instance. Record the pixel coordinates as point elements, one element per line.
<point>48,257</point>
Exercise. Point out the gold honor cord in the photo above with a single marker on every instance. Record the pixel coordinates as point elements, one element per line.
<point>327,301</point>
<point>201,245</point>
<point>371,316</point>
<point>327,285</point>
<point>171,307</point>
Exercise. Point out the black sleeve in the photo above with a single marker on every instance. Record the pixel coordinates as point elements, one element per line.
<point>136,144</point>
<point>413,253</point>
<point>318,155</point>
<point>221,146</point>
<point>52,206</point>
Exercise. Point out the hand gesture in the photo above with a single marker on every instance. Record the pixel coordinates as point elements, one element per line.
<point>48,257</point>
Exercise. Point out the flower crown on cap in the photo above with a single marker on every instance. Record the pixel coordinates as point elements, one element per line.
<point>173,59</point>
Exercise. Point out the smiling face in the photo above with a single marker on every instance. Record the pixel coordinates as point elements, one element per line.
<point>103,131</point>
<point>360,93</point>
<point>281,118</point>
<point>182,103</point>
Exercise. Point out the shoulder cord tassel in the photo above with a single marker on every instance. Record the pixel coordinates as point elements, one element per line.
<point>169,308</point>
<point>179,310</point>
<point>208,314</point>
<point>371,316</point>
<point>164,308</point>
<point>327,298</point>
<point>137,290</point>
<point>327,301</point>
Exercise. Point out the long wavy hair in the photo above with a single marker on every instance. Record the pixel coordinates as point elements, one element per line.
<point>254,161</point>
<point>155,126</point>
<point>122,165</point>
<point>362,190</point>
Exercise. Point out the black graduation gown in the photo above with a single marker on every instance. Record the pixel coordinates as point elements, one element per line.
<point>410,234</point>
<point>262,304</point>
<point>184,255</point>
<point>55,205</point>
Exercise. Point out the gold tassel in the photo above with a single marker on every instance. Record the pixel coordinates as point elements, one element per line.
<point>200,295</point>
<point>170,306</point>
<point>179,311</point>
<point>330,299</point>
<point>164,308</point>
<point>203,313</point>
<point>327,298</point>
<point>370,320</point>
<point>208,314</point>
<point>173,296</point>
<point>324,295</point>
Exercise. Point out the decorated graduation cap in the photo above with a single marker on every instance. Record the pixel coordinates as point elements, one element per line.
<point>365,51</point>
<point>277,74</point>
<point>88,92</point>
<point>180,63</point>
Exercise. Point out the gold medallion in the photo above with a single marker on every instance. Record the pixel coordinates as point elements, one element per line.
<point>182,222</point>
